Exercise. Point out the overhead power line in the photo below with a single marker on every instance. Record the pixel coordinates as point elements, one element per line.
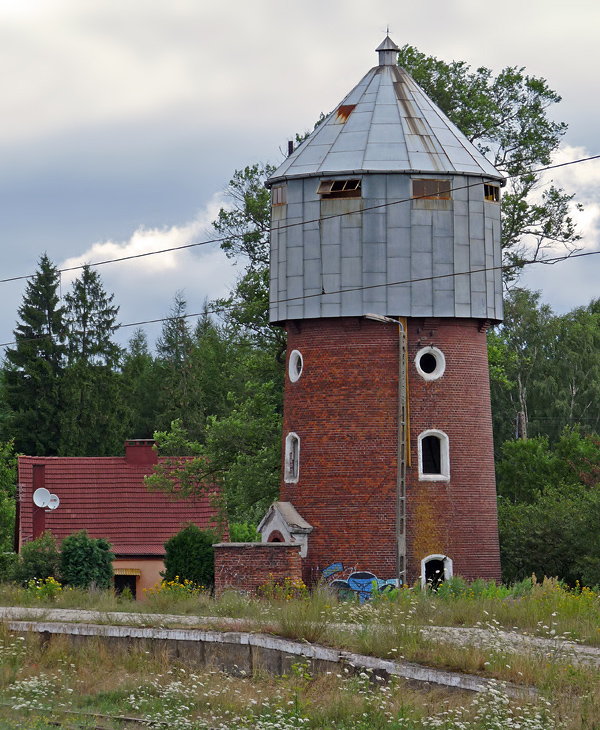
<point>221,239</point>
<point>221,310</point>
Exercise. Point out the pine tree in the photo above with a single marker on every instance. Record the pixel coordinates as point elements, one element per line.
<point>92,423</point>
<point>141,387</point>
<point>33,368</point>
<point>181,397</point>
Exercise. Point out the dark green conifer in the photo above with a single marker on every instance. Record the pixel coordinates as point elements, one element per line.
<point>34,366</point>
<point>92,422</point>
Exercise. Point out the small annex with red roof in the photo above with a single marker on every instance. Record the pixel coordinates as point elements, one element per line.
<point>107,497</point>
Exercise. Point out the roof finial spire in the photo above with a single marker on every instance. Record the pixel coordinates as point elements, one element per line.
<point>388,51</point>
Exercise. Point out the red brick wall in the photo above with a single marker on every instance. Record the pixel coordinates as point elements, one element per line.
<point>459,517</point>
<point>247,566</point>
<point>344,409</point>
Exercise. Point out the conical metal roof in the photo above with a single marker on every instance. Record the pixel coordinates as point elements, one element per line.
<point>386,124</point>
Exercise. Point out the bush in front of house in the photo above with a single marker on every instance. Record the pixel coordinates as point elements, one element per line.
<point>38,558</point>
<point>189,555</point>
<point>86,562</point>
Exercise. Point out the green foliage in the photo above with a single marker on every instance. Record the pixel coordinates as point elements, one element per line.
<point>141,387</point>
<point>38,559</point>
<point>190,556</point>
<point>527,467</point>
<point>47,589</point>
<point>243,532</point>
<point>549,508</point>
<point>506,117</point>
<point>8,488</point>
<point>546,366</point>
<point>33,368</point>
<point>241,456</point>
<point>179,396</point>
<point>92,422</point>
<point>86,562</point>
<point>8,564</point>
<point>246,224</point>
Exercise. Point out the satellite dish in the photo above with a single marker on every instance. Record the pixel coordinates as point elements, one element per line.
<point>41,497</point>
<point>53,502</point>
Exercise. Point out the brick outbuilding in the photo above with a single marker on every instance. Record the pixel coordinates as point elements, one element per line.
<point>107,497</point>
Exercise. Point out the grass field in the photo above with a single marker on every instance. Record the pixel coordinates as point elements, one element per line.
<point>61,683</point>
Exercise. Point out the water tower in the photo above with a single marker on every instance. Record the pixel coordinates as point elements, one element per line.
<point>386,209</point>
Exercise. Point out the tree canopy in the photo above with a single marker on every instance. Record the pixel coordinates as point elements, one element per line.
<point>33,368</point>
<point>506,117</point>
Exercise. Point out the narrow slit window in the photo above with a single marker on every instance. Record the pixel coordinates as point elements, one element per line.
<point>292,457</point>
<point>491,193</point>
<point>279,195</point>
<point>340,188</point>
<point>432,189</point>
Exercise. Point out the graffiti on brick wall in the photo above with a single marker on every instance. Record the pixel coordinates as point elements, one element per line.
<point>357,583</point>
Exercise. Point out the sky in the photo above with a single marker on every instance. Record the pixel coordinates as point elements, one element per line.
<point>122,121</point>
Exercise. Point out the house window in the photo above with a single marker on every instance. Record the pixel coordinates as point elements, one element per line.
<point>295,365</point>
<point>435,569</point>
<point>432,189</point>
<point>292,457</point>
<point>434,458</point>
<point>279,195</point>
<point>491,193</point>
<point>430,363</point>
<point>340,189</point>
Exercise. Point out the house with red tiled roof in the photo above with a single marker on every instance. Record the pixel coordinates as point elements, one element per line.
<point>107,497</point>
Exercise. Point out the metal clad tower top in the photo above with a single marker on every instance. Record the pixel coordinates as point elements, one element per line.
<point>387,208</point>
<point>386,124</point>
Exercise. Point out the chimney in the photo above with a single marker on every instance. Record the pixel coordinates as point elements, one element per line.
<point>141,451</point>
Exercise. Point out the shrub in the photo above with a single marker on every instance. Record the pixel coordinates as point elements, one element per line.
<point>8,564</point>
<point>86,562</point>
<point>190,556</point>
<point>38,559</point>
<point>243,532</point>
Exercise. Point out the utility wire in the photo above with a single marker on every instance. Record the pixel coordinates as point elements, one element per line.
<point>220,310</point>
<point>290,225</point>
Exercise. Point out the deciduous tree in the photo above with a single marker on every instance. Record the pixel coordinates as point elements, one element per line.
<point>506,117</point>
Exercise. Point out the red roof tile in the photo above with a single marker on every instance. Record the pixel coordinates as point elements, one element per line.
<point>107,497</point>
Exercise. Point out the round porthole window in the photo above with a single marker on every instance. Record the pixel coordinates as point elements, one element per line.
<point>295,365</point>
<point>430,363</point>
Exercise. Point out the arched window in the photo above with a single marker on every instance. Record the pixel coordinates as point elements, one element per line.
<point>292,457</point>
<point>435,569</point>
<point>434,457</point>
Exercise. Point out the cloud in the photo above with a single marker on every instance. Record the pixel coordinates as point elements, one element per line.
<point>574,282</point>
<point>144,287</point>
<point>583,180</point>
